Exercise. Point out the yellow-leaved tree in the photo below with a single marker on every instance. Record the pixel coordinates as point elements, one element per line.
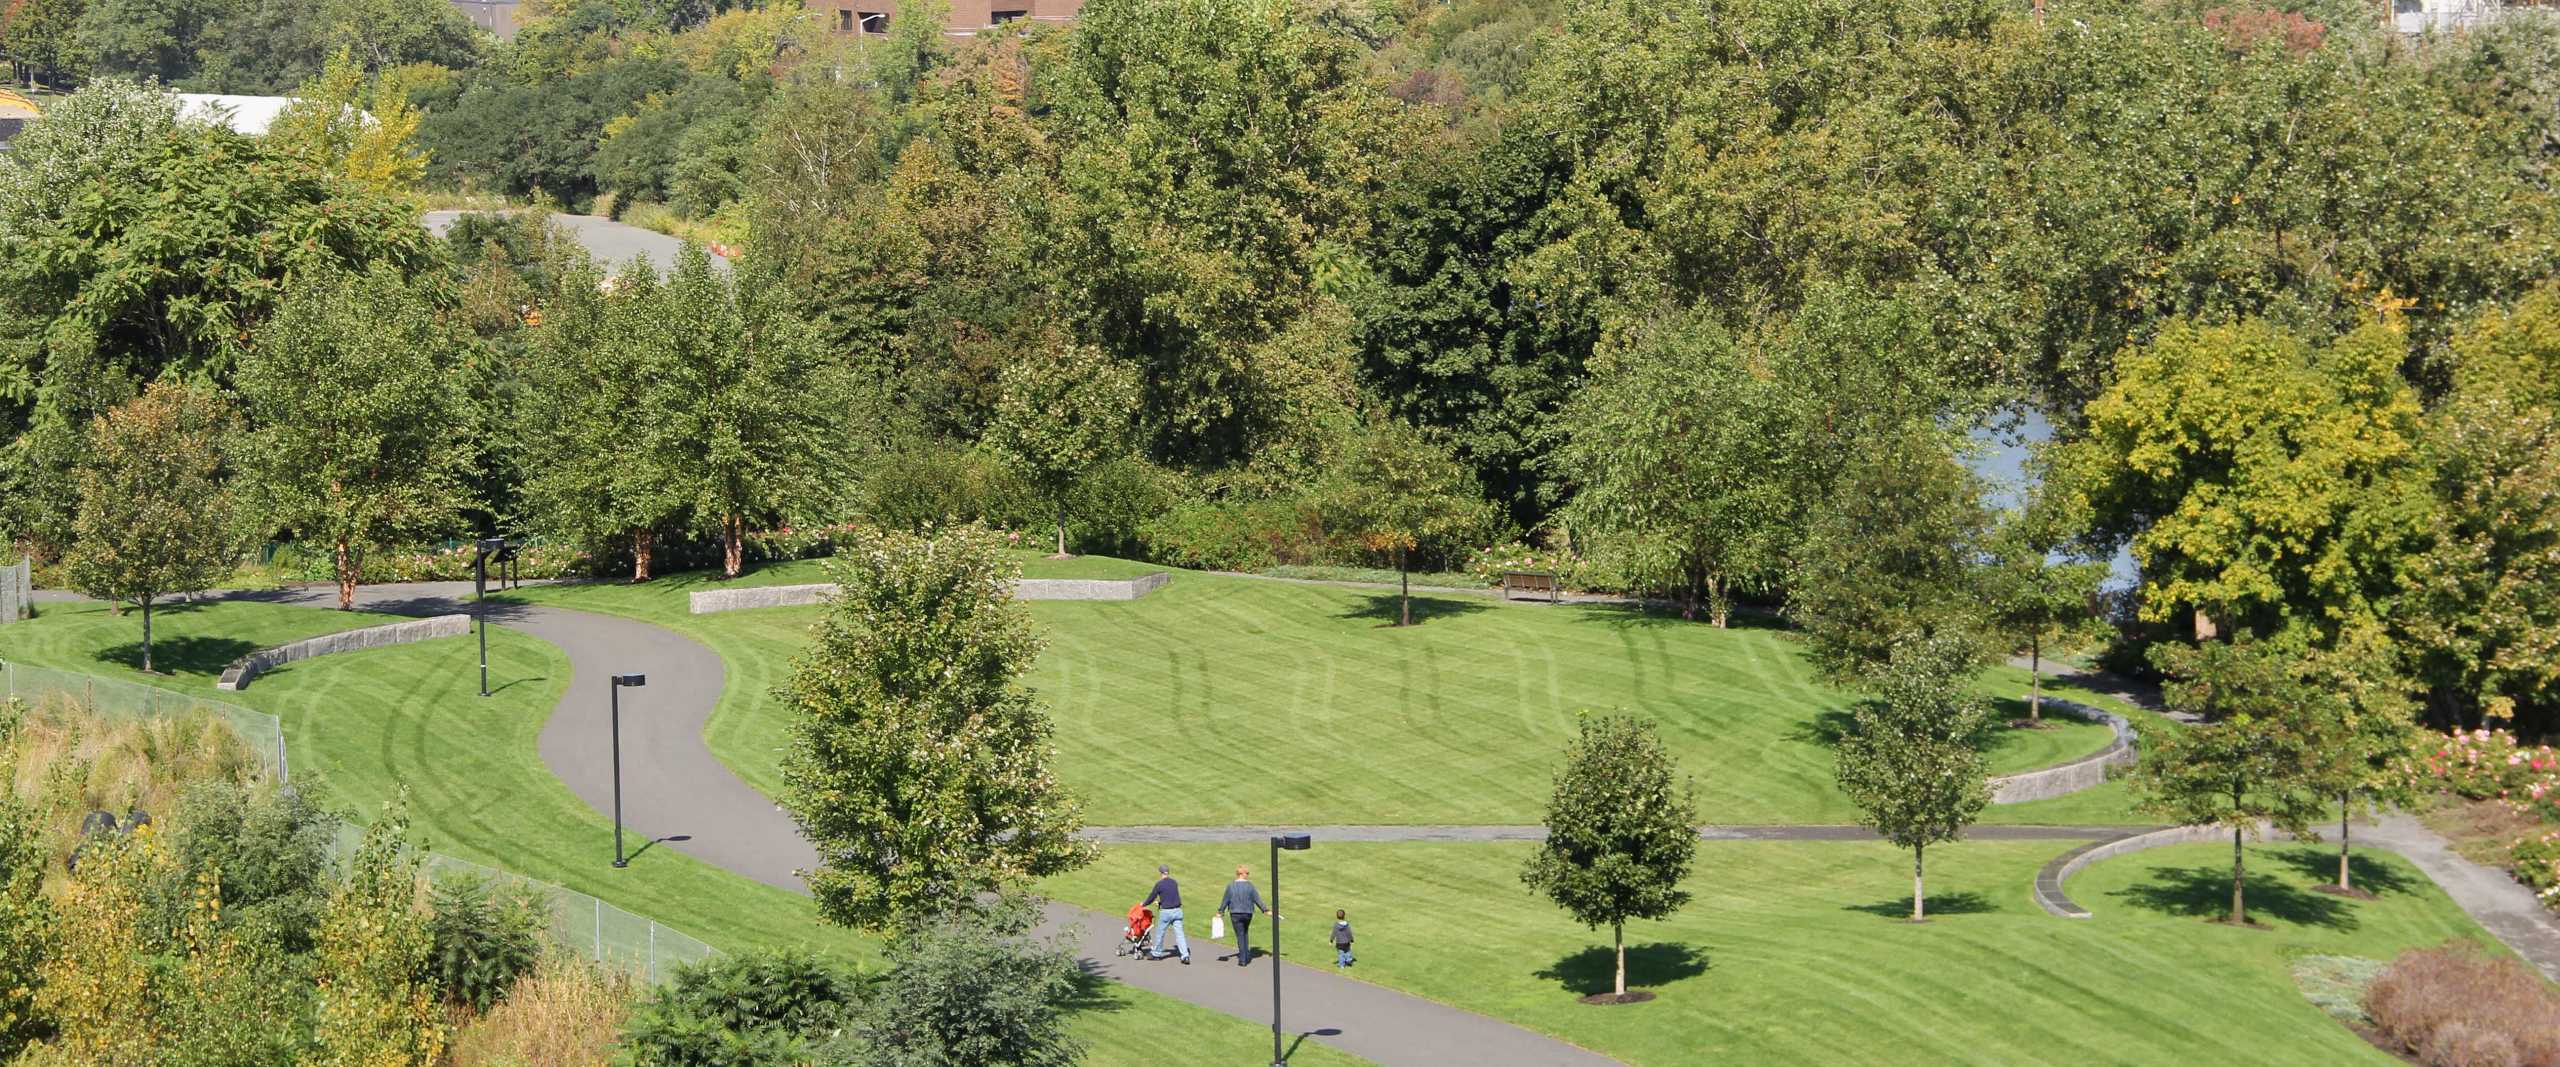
<point>377,1007</point>
<point>357,125</point>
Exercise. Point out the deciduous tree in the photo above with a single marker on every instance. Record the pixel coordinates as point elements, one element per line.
<point>1892,553</point>
<point>1061,413</point>
<point>2251,765</point>
<point>1396,491</point>
<point>1911,760</point>
<point>355,436</point>
<point>2035,595</point>
<point>598,464</point>
<point>1621,831</point>
<point>155,516</point>
<point>378,1004</point>
<point>919,764</point>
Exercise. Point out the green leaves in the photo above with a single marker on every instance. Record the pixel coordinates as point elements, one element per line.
<point>919,765</point>
<point>1911,759</point>
<point>1621,831</point>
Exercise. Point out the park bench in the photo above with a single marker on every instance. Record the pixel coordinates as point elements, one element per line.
<point>1532,583</point>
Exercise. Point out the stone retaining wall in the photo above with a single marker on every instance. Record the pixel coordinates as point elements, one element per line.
<point>2086,772</point>
<point>777,596</point>
<point>2048,886</point>
<point>247,668</point>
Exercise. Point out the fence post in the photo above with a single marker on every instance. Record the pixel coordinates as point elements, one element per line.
<point>599,929</point>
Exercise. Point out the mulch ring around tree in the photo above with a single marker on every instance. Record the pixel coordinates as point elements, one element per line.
<point>1632,996</point>
<point>2349,892</point>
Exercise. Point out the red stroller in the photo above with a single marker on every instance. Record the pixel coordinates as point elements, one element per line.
<point>1134,935</point>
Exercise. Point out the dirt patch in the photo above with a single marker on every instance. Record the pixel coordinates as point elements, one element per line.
<point>2251,924</point>
<point>1632,996</point>
<point>2482,831</point>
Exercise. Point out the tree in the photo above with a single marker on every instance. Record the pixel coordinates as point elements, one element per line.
<point>2263,482</point>
<point>1397,491</point>
<point>378,1004</point>
<point>44,37</point>
<point>1892,554</point>
<point>2250,764</point>
<point>752,403</point>
<point>1912,760</point>
<point>919,764</point>
<point>26,919</point>
<point>970,987</point>
<point>154,516</point>
<point>356,126</point>
<point>1682,454</point>
<point>2034,595</point>
<point>355,436</point>
<point>2362,727</point>
<point>2481,613</point>
<point>598,467</point>
<point>1060,416</point>
<point>1621,832</point>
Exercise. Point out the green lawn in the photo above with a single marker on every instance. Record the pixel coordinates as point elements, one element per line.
<point>362,726</point>
<point>1797,952</point>
<point>1222,700</point>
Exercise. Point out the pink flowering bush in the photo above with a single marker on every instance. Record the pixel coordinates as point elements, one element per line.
<point>2488,764</point>
<point>1488,564</point>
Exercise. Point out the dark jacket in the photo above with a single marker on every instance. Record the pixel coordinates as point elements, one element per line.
<point>1165,891</point>
<point>1342,933</point>
<point>1241,899</point>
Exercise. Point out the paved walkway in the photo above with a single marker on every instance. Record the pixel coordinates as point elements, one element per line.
<point>675,787</point>
<point>611,243</point>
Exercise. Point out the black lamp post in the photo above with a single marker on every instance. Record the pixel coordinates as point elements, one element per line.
<point>491,550</point>
<point>1294,843</point>
<point>635,681</point>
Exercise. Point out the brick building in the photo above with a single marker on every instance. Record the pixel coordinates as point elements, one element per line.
<point>967,16</point>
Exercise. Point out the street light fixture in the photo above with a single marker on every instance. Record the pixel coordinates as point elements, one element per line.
<point>635,681</point>
<point>1294,843</point>
<point>491,550</point>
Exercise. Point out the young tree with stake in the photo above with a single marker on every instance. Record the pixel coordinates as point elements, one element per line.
<point>1911,762</point>
<point>2363,724</point>
<point>1060,415</point>
<point>153,515</point>
<point>1621,832</point>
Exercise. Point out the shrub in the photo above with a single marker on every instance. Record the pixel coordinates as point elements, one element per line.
<point>270,847</point>
<point>751,1010</point>
<point>2455,1006</point>
<point>563,1014</point>
<point>971,989</point>
<point>1487,565</point>
<point>931,483</point>
<point>485,941</point>
<point>1244,535</point>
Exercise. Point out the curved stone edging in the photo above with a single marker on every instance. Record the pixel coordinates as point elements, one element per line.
<point>2086,772</point>
<point>2048,885</point>
<point>780,596</point>
<point>247,668</point>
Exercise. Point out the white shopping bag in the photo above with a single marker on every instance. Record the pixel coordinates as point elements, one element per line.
<point>1217,925</point>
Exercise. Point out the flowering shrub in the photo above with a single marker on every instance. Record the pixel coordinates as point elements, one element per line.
<point>454,564</point>
<point>802,542</point>
<point>1488,564</point>
<point>2536,862</point>
<point>2488,764</point>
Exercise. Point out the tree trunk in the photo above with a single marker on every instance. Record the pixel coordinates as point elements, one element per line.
<point>346,576</point>
<point>1919,889</point>
<point>733,533</point>
<point>1062,532</point>
<point>2239,906</point>
<point>2035,678</point>
<point>1404,591</point>
<point>1719,607</point>
<point>644,543</point>
<point>1619,930</point>
<point>2343,800</point>
<point>146,637</point>
<point>1689,600</point>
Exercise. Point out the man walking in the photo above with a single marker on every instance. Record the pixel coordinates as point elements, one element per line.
<point>1241,901</point>
<point>1168,894</point>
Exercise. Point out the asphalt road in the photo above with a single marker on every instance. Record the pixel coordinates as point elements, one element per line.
<point>612,243</point>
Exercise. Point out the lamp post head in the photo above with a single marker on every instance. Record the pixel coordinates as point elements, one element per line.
<point>633,680</point>
<point>1291,842</point>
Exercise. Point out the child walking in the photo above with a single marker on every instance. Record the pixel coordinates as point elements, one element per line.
<point>1341,939</point>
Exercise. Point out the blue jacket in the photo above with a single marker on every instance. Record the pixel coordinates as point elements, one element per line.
<point>1241,899</point>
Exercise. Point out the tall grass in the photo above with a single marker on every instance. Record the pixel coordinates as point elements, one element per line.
<point>2455,1006</point>
<point>72,760</point>
<point>567,1013</point>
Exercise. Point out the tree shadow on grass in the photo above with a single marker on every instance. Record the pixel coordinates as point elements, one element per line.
<point>180,655</point>
<point>1594,970</point>
<point>1826,728</point>
<point>2205,892</point>
<point>1383,608</point>
<point>1965,903</point>
<point>2363,871</point>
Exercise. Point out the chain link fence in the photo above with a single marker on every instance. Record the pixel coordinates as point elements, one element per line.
<point>578,922</point>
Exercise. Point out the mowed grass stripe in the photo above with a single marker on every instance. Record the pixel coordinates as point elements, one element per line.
<point>1808,961</point>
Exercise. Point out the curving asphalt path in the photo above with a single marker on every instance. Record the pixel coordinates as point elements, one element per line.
<point>676,790</point>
